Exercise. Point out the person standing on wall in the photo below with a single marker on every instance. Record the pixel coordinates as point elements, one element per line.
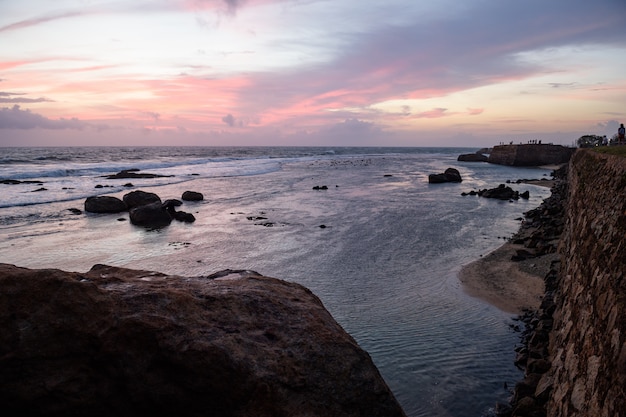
<point>620,134</point>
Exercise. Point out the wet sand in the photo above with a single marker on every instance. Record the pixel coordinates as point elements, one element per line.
<point>512,286</point>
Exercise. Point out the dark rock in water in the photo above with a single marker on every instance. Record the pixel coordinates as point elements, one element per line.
<point>171,203</point>
<point>133,173</point>
<point>119,342</point>
<point>150,215</point>
<point>75,211</point>
<point>501,192</point>
<point>525,195</point>
<point>320,187</point>
<point>182,216</point>
<point>140,198</point>
<point>449,175</point>
<point>39,189</point>
<point>104,204</point>
<point>15,182</point>
<point>473,157</point>
<point>128,185</point>
<point>192,196</point>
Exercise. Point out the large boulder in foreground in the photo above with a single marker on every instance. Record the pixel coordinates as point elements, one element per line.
<point>118,342</point>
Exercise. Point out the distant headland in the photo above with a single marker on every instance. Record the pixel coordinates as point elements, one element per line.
<point>528,154</point>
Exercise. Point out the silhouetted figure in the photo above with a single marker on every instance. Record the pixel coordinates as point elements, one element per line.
<point>620,134</point>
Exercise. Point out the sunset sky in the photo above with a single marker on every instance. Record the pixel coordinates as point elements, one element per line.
<point>310,72</point>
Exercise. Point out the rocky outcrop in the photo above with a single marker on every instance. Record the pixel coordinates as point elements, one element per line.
<point>104,204</point>
<point>449,175</point>
<point>118,342</point>
<point>530,154</point>
<point>473,157</point>
<point>501,192</point>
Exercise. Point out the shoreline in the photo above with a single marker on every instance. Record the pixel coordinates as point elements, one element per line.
<point>512,276</point>
<point>511,286</point>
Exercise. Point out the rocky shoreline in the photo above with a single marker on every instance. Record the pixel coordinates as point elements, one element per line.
<point>539,235</point>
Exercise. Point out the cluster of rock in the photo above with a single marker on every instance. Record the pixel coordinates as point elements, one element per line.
<point>449,175</point>
<point>501,192</point>
<point>540,234</point>
<point>144,208</point>
<point>120,342</point>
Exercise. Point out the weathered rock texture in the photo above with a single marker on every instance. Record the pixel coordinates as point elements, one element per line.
<point>588,343</point>
<point>530,154</point>
<point>118,342</point>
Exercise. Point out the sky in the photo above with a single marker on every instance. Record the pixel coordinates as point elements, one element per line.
<point>469,73</point>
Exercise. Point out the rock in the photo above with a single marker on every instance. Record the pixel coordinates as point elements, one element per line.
<point>449,175</point>
<point>140,198</point>
<point>182,216</point>
<point>501,192</point>
<point>119,342</point>
<point>39,189</point>
<point>320,187</point>
<point>171,204</point>
<point>150,215</point>
<point>15,182</point>
<point>133,173</point>
<point>75,211</point>
<point>104,204</point>
<point>192,196</point>
<point>473,157</point>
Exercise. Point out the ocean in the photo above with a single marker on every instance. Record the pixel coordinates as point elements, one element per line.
<point>380,246</point>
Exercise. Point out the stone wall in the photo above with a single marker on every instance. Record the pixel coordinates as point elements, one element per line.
<point>588,341</point>
<point>530,154</point>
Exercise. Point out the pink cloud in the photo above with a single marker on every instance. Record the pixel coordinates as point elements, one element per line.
<point>432,114</point>
<point>474,112</point>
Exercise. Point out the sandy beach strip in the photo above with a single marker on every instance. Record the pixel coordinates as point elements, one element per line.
<point>511,286</point>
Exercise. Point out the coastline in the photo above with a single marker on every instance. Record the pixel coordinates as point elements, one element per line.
<point>511,286</point>
<point>507,281</point>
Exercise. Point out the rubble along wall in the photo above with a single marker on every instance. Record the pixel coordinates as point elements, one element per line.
<point>588,342</point>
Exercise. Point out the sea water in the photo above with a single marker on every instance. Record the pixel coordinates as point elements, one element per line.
<point>380,246</point>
